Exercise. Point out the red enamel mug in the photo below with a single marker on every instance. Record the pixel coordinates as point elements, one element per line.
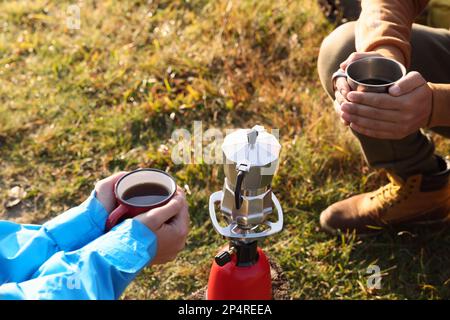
<point>128,209</point>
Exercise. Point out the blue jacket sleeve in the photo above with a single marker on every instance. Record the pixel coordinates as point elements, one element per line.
<point>100,270</point>
<point>24,248</point>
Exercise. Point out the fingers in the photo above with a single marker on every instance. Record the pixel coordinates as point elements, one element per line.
<point>407,84</point>
<point>158,216</point>
<point>379,100</point>
<point>180,190</point>
<point>380,129</point>
<point>369,123</point>
<point>177,237</point>
<point>180,227</point>
<point>181,220</point>
<point>356,109</point>
<point>337,108</point>
<point>342,86</point>
<point>172,236</point>
<point>111,180</point>
<point>339,98</point>
<point>105,193</point>
<point>371,133</point>
<point>358,55</point>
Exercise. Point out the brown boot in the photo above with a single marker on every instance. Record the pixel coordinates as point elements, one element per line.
<point>420,199</point>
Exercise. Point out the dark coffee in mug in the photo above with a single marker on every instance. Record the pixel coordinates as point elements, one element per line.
<point>139,191</point>
<point>374,74</point>
<point>145,194</point>
<point>375,81</point>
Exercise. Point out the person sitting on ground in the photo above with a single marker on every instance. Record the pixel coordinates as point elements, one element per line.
<point>71,257</point>
<point>388,126</point>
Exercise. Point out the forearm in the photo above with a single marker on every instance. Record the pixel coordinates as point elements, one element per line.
<point>440,113</point>
<point>100,270</point>
<point>385,26</point>
<point>391,51</point>
<point>24,248</point>
<point>79,225</point>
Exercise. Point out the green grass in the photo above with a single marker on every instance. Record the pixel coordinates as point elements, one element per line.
<point>78,105</point>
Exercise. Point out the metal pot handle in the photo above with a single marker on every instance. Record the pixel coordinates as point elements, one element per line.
<point>237,191</point>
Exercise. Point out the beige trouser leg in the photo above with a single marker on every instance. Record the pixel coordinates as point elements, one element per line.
<point>431,57</point>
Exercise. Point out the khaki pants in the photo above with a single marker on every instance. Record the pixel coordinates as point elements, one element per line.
<point>431,57</point>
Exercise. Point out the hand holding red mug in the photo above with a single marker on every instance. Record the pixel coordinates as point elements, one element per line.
<point>169,220</point>
<point>139,191</point>
<point>170,223</point>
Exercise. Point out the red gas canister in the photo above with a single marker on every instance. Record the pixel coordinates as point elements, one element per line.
<point>240,281</point>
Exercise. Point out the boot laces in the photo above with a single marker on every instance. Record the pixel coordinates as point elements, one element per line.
<point>393,193</point>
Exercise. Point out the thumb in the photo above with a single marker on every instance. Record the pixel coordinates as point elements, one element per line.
<point>407,84</point>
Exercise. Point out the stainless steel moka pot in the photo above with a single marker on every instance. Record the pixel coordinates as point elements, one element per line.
<point>241,270</point>
<point>246,201</point>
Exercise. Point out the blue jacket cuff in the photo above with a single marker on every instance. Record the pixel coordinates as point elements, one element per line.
<point>78,226</point>
<point>129,246</point>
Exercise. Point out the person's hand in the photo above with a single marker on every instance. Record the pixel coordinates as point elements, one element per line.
<point>170,223</point>
<point>341,87</point>
<point>403,111</point>
<point>105,191</point>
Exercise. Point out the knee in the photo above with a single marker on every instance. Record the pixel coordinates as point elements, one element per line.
<point>335,48</point>
<point>338,42</point>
